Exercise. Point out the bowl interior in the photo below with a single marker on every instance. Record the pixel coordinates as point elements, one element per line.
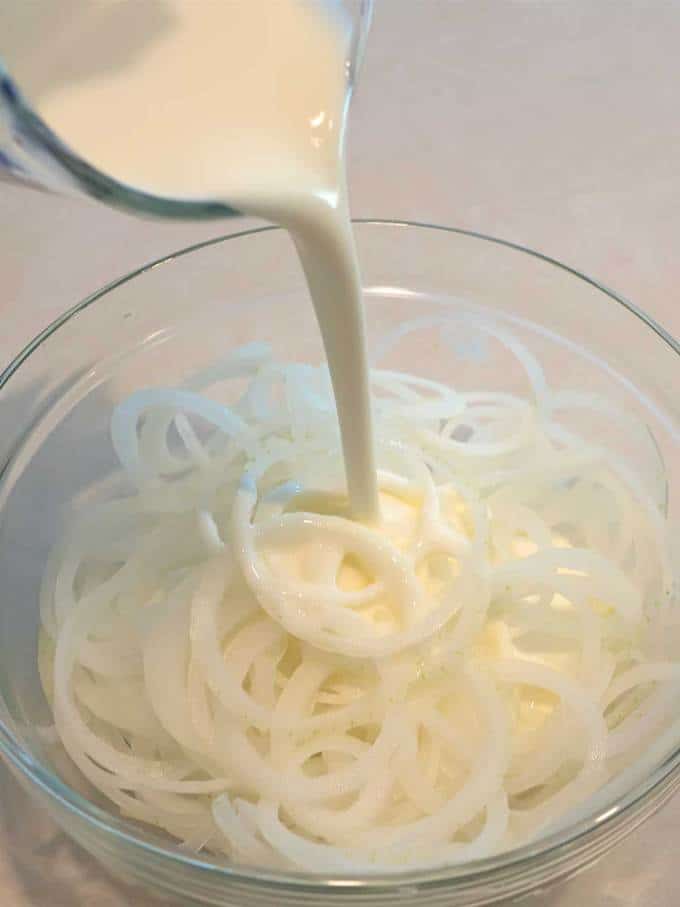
<point>426,290</point>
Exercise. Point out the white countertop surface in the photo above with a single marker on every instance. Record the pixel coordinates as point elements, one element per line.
<point>552,123</point>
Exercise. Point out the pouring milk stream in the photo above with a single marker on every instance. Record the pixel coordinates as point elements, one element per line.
<point>244,102</point>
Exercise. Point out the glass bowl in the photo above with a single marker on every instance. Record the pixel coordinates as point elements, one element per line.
<point>165,322</point>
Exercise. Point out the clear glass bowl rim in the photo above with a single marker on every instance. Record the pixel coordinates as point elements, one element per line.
<point>489,870</point>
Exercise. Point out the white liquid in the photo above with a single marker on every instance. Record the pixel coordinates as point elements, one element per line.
<point>241,101</point>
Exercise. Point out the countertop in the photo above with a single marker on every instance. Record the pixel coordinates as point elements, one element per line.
<point>552,123</point>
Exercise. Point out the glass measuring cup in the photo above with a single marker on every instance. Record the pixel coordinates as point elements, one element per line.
<point>32,153</point>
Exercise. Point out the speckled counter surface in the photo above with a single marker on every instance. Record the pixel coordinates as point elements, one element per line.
<point>552,123</point>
